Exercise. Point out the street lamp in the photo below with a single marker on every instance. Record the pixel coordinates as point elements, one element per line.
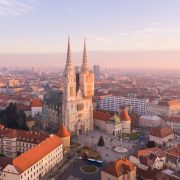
<point>92,141</point>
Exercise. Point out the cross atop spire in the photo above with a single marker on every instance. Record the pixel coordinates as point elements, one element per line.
<point>84,66</point>
<point>68,60</point>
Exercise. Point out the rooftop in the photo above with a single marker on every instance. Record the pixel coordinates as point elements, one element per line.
<point>161,132</point>
<point>119,167</point>
<point>32,156</point>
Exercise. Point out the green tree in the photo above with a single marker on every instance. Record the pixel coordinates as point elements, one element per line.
<point>151,144</point>
<point>11,118</point>
<point>22,120</point>
<point>101,141</point>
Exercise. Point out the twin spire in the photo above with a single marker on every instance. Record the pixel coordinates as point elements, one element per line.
<point>84,66</point>
<point>68,60</point>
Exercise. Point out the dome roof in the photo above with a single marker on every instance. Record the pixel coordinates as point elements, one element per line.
<point>125,116</point>
<point>63,132</point>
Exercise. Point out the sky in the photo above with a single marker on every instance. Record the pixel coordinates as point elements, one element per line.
<point>132,33</point>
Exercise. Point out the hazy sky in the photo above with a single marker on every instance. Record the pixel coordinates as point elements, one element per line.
<point>42,26</point>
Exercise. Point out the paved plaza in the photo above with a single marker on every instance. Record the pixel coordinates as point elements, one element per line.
<point>74,172</point>
<point>107,152</point>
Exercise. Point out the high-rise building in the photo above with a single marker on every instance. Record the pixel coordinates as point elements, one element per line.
<point>96,70</point>
<point>77,95</point>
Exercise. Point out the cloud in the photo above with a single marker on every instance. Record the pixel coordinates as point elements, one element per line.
<point>158,29</point>
<point>16,7</point>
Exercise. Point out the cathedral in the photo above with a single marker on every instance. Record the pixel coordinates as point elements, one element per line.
<point>77,110</point>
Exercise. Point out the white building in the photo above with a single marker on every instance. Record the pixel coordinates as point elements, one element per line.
<point>112,123</point>
<point>36,107</point>
<point>153,158</point>
<point>113,103</point>
<point>161,135</point>
<point>77,96</point>
<point>14,142</point>
<point>149,121</point>
<point>36,162</point>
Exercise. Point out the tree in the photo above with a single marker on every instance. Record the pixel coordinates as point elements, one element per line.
<point>22,120</point>
<point>151,144</point>
<point>101,141</point>
<point>12,119</point>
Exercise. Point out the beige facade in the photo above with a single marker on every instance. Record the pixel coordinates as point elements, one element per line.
<point>150,121</point>
<point>108,127</point>
<point>165,109</point>
<point>25,168</point>
<point>161,140</point>
<point>112,123</point>
<point>77,98</point>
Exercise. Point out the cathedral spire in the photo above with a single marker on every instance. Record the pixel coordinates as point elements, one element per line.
<point>68,60</point>
<point>84,66</point>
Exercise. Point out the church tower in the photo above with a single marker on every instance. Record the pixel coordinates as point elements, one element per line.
<point>69,77</point>
<point>69,92</point>
<point>86,77</point>
<point>77,96</point>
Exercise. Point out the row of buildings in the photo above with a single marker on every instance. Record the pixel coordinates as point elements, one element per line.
<point>147,164</point>
<point>140,106</point>
<point>30,155</point>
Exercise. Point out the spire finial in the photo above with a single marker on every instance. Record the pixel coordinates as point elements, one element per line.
<point>84,67</point>
<point>68,60</point>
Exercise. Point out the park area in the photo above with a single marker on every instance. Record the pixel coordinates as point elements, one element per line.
<point>133,135</point>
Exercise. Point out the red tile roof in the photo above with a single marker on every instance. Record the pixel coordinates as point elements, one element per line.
<point>175,151</point>
<point>23,108</point>
<point>125,116</point>
<point>161,132</point>
<point>120,167</point>
<point>63,132</point>
<point>155,150</point>
<point>101,115</point>
<point>175,119</point>
<point>32,156</point>
<point>33,137</point>
<point>36,103</point>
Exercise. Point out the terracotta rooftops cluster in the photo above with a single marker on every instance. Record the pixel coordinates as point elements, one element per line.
<point>33,137</point>
<point>175,151</point>
<point>146,152</point>
<point>35,154</point>
<point>161,132</point>
<point>172,103</point>
<point>105,116</point>
<point>119,167</point>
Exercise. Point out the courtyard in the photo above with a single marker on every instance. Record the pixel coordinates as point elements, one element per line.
<point>111,143</point>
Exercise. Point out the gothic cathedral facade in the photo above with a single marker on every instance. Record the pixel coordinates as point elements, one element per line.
<point>77,95</point>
